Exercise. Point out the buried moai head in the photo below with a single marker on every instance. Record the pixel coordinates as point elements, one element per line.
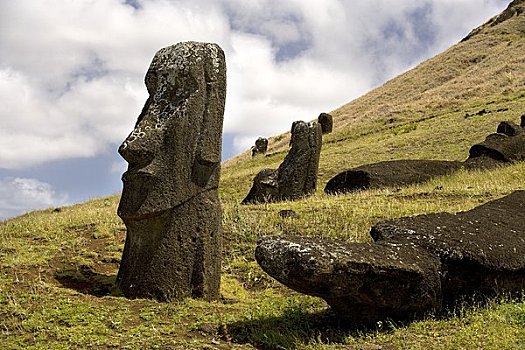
<point>506,145</point>
<point>261,146</point>
<point>170,203</point>
<point>172,151</point>
<point>296,177</point>
<point>327,122</point>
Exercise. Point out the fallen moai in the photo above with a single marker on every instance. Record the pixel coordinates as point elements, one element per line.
<point>296,177</point>
<point>169,203</point>
<point>417,265</point>
<point>507,145</point>
<point>261,146</point>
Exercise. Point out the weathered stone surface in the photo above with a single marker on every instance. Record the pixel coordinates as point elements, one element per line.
<point>389,174</point>
<point>170,202</point>
<point>296,177</point>
<point>261,146</point>
<point>505,146</point>
<point>416,264</point>
<point>363,282</point>
<point>327,122</point>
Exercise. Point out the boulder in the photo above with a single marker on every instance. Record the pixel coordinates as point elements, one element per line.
<point>327,122</point>
<point>169,202</point>
<point>261,146</point>
<point>415,265</point>
<point>296,177</point>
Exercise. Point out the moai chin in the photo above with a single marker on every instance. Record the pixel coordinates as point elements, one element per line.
<point>170,202</point>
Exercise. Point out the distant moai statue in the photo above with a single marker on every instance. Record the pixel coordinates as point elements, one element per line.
<point>326,121</point>
<point>170,203</point>
<point>296,177</point>
<point>522,124</point>
<point>261,146</point>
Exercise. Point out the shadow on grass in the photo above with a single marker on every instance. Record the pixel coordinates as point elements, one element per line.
<point>87,281</point>
<point>296,328</point>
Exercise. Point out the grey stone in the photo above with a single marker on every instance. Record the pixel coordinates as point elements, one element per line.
<point>296,177</point>
<point>416,265</point>
<point>170,202</point>
<point>261,146</point>
<point>287,213</point>
<point>327,122</point>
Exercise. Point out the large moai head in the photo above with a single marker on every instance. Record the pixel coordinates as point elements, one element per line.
<point>174,150</point>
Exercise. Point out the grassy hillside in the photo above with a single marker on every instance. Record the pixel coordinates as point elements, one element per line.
<point>437,110</point>
<point>57,266</point>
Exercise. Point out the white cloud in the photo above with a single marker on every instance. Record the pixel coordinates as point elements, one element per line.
<point>18,195</point>
<point>71,72</point>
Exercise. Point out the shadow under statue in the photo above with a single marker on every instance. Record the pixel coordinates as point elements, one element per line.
<point>170,202</point>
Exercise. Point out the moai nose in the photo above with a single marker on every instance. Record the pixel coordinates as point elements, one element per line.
<point>136,148</point>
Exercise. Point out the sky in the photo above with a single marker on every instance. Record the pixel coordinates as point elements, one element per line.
<point>72,71</point>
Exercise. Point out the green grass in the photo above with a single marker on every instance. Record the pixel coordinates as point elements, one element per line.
<point>57,266</point>
<point>40,310</point>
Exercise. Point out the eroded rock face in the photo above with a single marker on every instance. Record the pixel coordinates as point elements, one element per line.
<point>416,264</point>
<point>261,146</point>
<point>296,177</point>
<point>169,202</point>
<point>327,122</point>
<point>507,145</point>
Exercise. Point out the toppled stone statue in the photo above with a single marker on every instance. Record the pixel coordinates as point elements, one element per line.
<point>296,177</point>
<point>327,122</point>
<point>507,145</point>
<point>261,146</point>
<point>169,203</point>
<point>416,265</point>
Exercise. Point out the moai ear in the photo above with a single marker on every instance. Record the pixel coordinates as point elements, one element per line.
<point>208,155</point>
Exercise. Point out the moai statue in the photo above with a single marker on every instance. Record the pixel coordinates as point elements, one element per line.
<point>296,177</point>
<point>261,146</point>
<point>327,122</point>
<point>507,145</point>
<point>170,203</point>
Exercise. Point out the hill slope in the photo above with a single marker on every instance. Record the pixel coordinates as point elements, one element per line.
<point>57,266</point>
<point>484,73</point>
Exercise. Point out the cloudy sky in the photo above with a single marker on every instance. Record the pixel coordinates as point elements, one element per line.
<point>71,74</point>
